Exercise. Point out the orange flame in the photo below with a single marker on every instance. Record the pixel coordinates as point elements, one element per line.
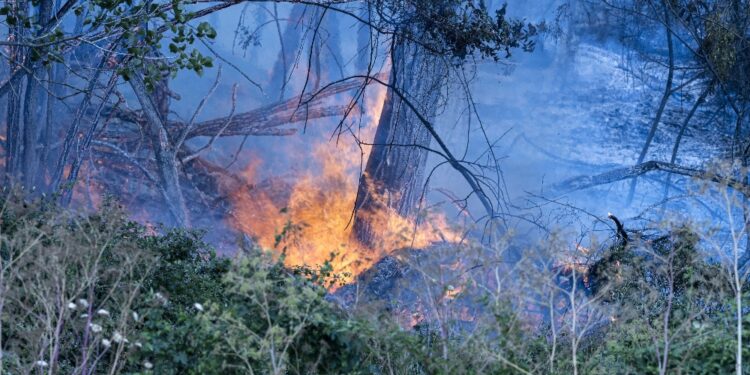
<point>315,219</point>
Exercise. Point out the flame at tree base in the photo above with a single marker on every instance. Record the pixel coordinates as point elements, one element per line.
<point>311,224</point>
<point>310,218</point>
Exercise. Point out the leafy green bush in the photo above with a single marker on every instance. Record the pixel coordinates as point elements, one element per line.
<point>258,317</point>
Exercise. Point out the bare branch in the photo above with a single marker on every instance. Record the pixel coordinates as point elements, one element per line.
<point>219,133</point>
<point>585,182</point>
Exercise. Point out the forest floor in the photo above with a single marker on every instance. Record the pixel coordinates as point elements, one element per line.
<point>565,114</point>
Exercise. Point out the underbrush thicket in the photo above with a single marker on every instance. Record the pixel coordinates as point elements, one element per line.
<point>98,294</point>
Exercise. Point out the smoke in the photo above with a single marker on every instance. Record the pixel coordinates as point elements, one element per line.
<point>567,109</point>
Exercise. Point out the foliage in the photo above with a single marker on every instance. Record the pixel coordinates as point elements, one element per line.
<point>99,294</point>
<point>136,30</point>
<point>188,273</point>
<point>459,29</point>
<point>703,348</point>
<point>641,275</point>
<point>266,320</point>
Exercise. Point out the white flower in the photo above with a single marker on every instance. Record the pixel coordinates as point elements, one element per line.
<point>135,316</point>
<point>148,365</point>
<point>41,363</point>
<point>161,298</point>
<point>84,316</point>
<point>106,343</point>
<point>117,337</point>
<point>138,344</point>
<point>198,306</point>
<point>83,303</point>
<point>71,305</point>
<point>95,328</point>
<point>103,312</point>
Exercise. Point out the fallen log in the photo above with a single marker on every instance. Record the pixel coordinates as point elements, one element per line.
<point>262,121</point>
<point>619,174</point>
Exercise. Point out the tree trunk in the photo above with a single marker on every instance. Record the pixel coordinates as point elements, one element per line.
<point>364,45</point>
<point>14,130</point>
<point>30,131</point>
<point>393,175</point>
<point>325,59</point>
<point>46,136</point>
<point>32,117</point>
<point>662,102</point>
<point>165,154</point>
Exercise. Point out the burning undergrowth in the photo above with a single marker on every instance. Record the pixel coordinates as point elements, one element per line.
<point>422,287</point>
<point>305,211</point>
<point>308,216</point>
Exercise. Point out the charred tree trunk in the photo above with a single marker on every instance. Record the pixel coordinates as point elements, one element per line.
<point>324,58</point>
<point>35,93</point>
<point>327,60</point>
<point>164,151</point>
<point>364,45</point>
<point>14,126</point>
<point>393,175</point>
<point>13,130</point>
<point>30,131</point>
<point>46,136</point>
<point>55,125</point>
<point>26,96</point>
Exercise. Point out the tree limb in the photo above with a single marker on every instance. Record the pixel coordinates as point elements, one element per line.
<point>585,182</point>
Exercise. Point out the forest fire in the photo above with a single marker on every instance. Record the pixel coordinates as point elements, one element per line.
<point>310,218</point>
<point>264,187</point>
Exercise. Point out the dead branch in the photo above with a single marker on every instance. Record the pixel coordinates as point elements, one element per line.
<point>210,143</point>
<point>124,154</point>
<point>585,182</point>
<point>262,121</point>
<point>186,129</point>
<point>621,234</point>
